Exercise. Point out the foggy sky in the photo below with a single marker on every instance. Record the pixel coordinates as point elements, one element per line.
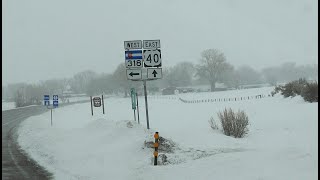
<point>45,39</point>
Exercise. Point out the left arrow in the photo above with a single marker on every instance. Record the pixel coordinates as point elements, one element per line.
<point>132,74</point>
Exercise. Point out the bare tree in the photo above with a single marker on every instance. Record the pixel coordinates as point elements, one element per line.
<point>247,75</point>
<point>212,65</point>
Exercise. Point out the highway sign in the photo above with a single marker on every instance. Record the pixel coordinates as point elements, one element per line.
<point>133,44</point>
<point>47,103</point>
<point>133,59</point>
<point>55,103</point>
<point>55,100</point>
<point>134,74</point>
<point>46,97</point>
<point>46,100</point>
<point>133,54</point>
<point>55,97</point>
<point>137,63</point>
<point>151,44</point>
<point>96,101</point>
<point>152,58</point>
<point>154,73</point>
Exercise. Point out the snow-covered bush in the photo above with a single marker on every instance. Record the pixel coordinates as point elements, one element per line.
<point>310,92</point>
<point>293,88</point>
<point>213,124</point>
<point>234,123</point>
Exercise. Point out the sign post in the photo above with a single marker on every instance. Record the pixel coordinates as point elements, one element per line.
<point>102,103</point>
<point>96,102</point>
<point>143,56</point>
<point>133,102</point>
<point>55,104</point>
<point>146,101</point>
<point>138,107</point>
<point>91,105</point>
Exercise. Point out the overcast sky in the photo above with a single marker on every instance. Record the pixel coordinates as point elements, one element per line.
<point>45,39</point>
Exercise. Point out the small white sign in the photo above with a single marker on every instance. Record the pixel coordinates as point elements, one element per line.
<point>137,44</point>
<point>134,74</point>
<point>96,101</point>
<point>134,63</point>
<point>151,44</point>
<point>154,73</point>
<point>152,58</point>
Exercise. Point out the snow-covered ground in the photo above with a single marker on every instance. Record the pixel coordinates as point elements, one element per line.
<point>11,105</point>
<point>7,105</point>
<point>282,142</point>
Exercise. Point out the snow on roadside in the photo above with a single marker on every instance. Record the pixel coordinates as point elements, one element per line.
<point>281,144</point>
<point>8,106</point>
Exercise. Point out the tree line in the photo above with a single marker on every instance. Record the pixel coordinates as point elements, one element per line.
<point>211,68</point>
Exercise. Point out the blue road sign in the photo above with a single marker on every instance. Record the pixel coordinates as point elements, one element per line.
<point>133,54</point>
<point>47,103</point>
<point>55,97</point>
<point>55,103</point>
<point>46,97</point>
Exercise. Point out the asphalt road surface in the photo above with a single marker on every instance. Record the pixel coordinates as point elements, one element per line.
<point>15,162</point>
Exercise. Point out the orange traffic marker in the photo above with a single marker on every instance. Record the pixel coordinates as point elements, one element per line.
<point>156,135</point>
<point>155,153</point>
<point>156,145</point>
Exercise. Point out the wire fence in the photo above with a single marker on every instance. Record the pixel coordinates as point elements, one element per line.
<point>260,96</point>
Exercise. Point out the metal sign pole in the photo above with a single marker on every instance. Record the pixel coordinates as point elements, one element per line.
<point>134,113</point>
<point>102,104</point>
<point>91,105</point>
<point>146,100</point>
<point>51,117</point>
<point>138,107</point>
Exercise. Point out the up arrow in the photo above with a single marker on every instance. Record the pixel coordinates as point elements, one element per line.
<point>154,73</point>
<point>132,74</point>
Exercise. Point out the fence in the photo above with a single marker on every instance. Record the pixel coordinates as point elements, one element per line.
<point>260,96</point>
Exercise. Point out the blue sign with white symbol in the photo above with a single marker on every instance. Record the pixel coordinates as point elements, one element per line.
<point>134,54</point>
<point>46,97</point>
<point>47,103</point>
<point>55,103</point>
<point>55,97</point>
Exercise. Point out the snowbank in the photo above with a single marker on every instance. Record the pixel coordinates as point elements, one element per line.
<point>281,144</point>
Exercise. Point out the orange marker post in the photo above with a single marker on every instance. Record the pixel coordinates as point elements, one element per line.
<point>156,145</point>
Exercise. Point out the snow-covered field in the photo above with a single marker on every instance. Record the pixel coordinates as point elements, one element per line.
<point>7,105</point>
<point>11,105</point>
<point>282,142</point>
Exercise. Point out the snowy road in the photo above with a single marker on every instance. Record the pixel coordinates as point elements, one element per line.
<point>15,164</point>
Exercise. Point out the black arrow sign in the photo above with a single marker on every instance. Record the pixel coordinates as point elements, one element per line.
<point>154,73</point>
<point>132,74</point>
